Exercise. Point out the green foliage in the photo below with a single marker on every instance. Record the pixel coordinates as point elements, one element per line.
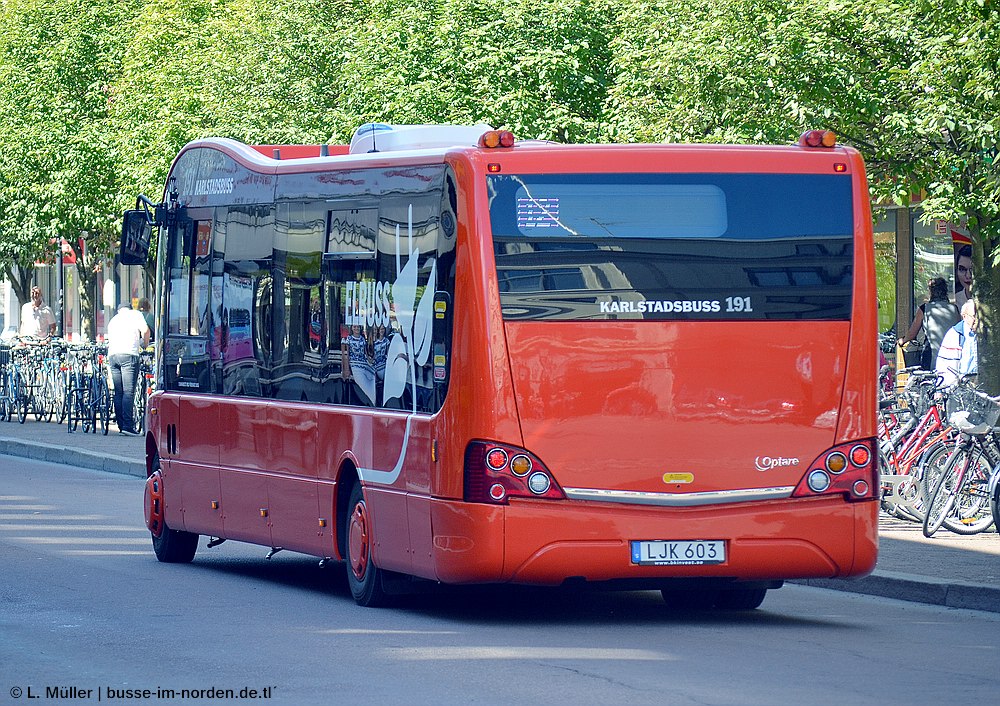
<point>98,96</point>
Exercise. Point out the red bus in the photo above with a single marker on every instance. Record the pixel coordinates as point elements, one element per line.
<point>445,354</point>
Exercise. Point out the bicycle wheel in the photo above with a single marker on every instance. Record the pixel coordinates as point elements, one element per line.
<point>139,405</point>
<point>925,474</point>
<point>47,402</point>
<point>971,513</point>
<point>103,404</point>
<point>5,408</point>
<point>942,499</point>
<point>88,412</point>
<point>21,397</point>
<point>60,397</point>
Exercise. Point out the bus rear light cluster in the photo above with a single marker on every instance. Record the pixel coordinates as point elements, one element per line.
<point>497,138</point>
<point>818,138</point>
<point>494,473</point>
<point>848,469</point>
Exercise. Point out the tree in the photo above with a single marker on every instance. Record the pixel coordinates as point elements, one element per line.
<point>58,161</point>
<point>913,85</point>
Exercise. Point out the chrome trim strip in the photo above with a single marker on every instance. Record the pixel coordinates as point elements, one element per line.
<point>719,497</point>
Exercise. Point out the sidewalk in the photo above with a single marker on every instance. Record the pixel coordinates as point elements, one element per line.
<point>948,569</point>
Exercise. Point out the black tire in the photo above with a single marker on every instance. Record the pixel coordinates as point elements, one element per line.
<point>709,599</point>
<point>139,404</point>
<point>72,413</point>
<point>173,546</point>
<point>689,599</point>
<point>942,498</point>
<point>60,401</point>
<point>21,398</point>
<point>363,577</point>
<point>995,507</point>
<point>740,599</point>
<point>104,407</point>
<point>971,512</point>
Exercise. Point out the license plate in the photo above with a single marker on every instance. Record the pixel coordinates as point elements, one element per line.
<point>664,553</point>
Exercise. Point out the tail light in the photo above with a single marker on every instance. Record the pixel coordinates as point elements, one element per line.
<point>494,473</point>
<point>497,138</point>
<point>818,138</point>
<point>848,469</point>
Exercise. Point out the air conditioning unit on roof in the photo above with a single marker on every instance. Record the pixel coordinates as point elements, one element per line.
<point>380,137</point>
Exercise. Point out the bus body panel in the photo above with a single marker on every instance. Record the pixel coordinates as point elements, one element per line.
<point>550,542</point>
<point>623,405</point>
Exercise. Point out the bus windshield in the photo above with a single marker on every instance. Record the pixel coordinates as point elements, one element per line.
<point>667,246</point>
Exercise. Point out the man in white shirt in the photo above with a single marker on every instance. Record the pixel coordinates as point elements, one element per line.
<point>127,333</point>
<point>949,356</point>
<point>37,319</point>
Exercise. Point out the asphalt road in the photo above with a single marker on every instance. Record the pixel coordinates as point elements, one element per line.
<point>85,605</point>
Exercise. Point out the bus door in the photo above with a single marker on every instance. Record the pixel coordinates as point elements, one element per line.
<point>188,414</point>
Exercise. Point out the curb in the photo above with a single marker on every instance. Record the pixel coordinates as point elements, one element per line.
<point>916,589</point>
<point>76,457</point>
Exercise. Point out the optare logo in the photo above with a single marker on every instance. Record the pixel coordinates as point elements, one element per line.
<point>767,463</point>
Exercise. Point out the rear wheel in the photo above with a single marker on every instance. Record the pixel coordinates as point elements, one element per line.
<point>942,498</point>
<point>741,599</point>
<point>971,513</point>
<point>364,578</point>
<point>21,398</point>
<point>721,599</point>
<point>104,407</point>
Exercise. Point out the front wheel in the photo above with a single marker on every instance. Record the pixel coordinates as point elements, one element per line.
<point>364,578</point>
<point>942,498</point>
<point>170,546</point>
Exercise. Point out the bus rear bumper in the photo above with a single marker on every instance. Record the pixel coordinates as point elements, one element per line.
<point>548,543</point>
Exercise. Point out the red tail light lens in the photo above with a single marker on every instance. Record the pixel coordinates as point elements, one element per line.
<point>818,138</point>
<point>848,469</point>
<point>494,473</point>
<point>497,138</point>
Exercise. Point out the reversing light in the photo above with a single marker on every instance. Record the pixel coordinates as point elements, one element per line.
<point>818,481</point>
<point>539,483</point>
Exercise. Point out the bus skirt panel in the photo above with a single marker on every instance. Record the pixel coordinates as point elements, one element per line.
<point>550,543</point>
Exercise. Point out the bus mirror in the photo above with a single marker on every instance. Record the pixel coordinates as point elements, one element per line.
<point>136,234</point>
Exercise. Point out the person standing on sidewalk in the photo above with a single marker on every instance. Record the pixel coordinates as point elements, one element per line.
<point>37,319</point>
<point>127,334</point>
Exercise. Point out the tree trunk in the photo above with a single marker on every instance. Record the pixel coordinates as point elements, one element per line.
<point>986,292</point>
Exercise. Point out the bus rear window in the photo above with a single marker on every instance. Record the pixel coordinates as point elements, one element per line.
<point>673,246</point>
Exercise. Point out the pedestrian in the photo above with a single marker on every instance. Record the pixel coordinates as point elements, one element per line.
<point>954,352</point>
<point>127,334</point>
<point>935,317</point>
<point>968,363</point>
<point>963,275</point>
<point>37,319</point>
<point>147,313</point>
